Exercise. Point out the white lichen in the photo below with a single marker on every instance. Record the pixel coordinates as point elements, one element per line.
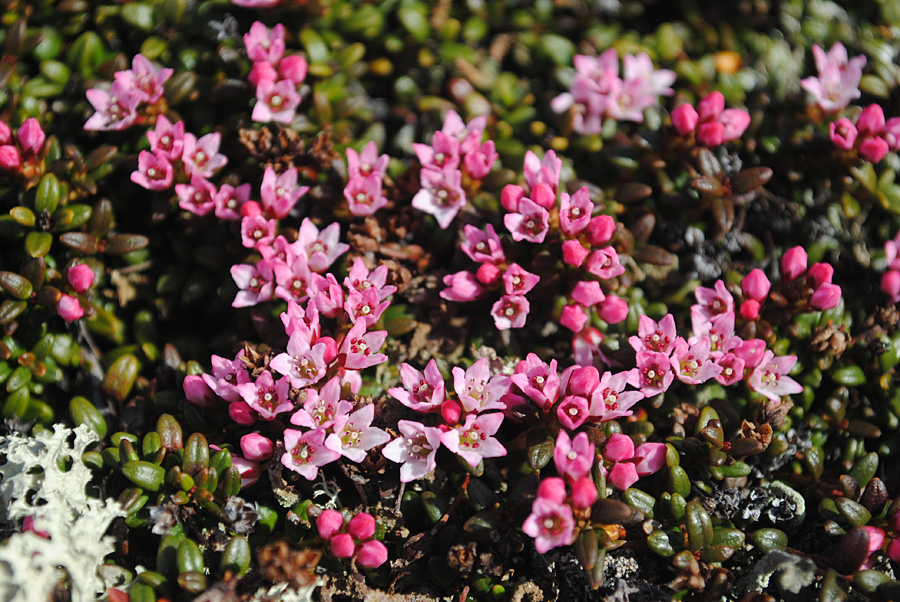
<point>44,478</point>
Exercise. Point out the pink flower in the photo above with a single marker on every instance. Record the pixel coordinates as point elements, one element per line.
<point>685,119</point>
<point>305,452</point>
<point>144,79</point>
<point>362,165</point>
<point>462,286</point>
<point>293,280</point>
<point>154,172</point>
<point>572,411</point>
<point>280,193</point>
<point>257,231</point>
<point>415,449</point>
<point>551,525</point>
<point>530,222</point>
<point>751,352</point>
<point>116,109</point>
<point>468,135</point>
<point>80,277</point>
<point>364,196</point>
<point>539,381</point>
<point>755,285</point>
<point>226,375</point>
<point>474,440</point>
<point>793,263</point>
<point>255,283</point>
<point>360,347</point>
<point>441,195</point>
<point>610,400</point>
<point>264,44</point>
<point>750,309</point>
<point>303,363</point>
<point>275,101</point>
<point>69,309</point>
<point>770,377</point>
<point>712,123</point>
<point>342,545</point>
<point>632,463</point>
<point>587,292</point>
<point>166,140</point>
<point>329,523</point>
<point>826,296</point>
<point>9,158</point>
<point>843,133</point>
<point>653,374</point>
<point>327,295</point>
<point>573,317</point>
<point>420,392</point>
<point>542,171</point>
<point>477,390</point>
<point>711,302</point>
<point>838,80</point>
<point>517,281</point>
<point>691,363</point>
<point>604,263</point>
<point>890,284</point>
<point>293,68</point>
<point>365,306</point>
<point>612,309</point>
<point>510,197</point>
<point>655,337</point>
<point>360,278</point>
<point>575,212</point>
<point>354,434</point>
<point>323,407</point>
<point>5,133</point>
<point>256,447</point>
<point>574,458</point>
<point>362,526</point>
<point>574,253</point>
<point>873,149</point>
<point>510,311</point>
<point>442,155</point>
<point>198,392</point>
<point>482,246</point>
<point>584,493</point>
<point>198,196</point>
<point>201,156</point>
<point>732,369</point>
<point>266,396</point>
<point>321,248</point>
<point>552,489</point>
<point>479,161</point>
<point>371,554</point>
<point>30,136</point>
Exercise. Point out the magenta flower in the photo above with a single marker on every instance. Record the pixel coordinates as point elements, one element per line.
<point>415,449</point>
<point>550,525</point>
<point>462,286</point>
<point>420,392</point>
<point>80,277</point>
<point>10,160</point>
<point>441,195</point>
<point>843,133</point>
<point>631,463</point>
<point>329,523</point>
<point>365,306</point>
<point>306,452</point>
<point>653,374</point>
<point>573,317</point>
<point>610,400</point>
<point>612,309</point>
<point>712,124</point>
<point>364,195</point>
<point>167,140</point>
<point>116,109</point>
<point>303,363</point>
<point>539,381</point>
<point>826,296</point>
<point>323,407</point>
<point>542,171</point>
<point>366,163</point>
<point>530,222</point>
<point>264,44</point>
<point>354,434</point>
<point>655,337</point>
<point>266,396</point>
<point>692,363</point>
<point>572,411</point>
<point>30,136</point>
<point>482,246</point>
<point>154,172</point>
<point>360,347</point>
<point>468,135</point>
<point>275,101</point>
<point>256,447</point>
<point>321,248</point>
<point>793,263</point>
<point>257,231</point>
<point>575,212</point>
<point>144,79</point>
<point>256,283</point>
<point>360,278</point>
<point>280,193</point>
<point>574,253</point>
<point>371,554</point>
<point>838,81</point>
<point>442,155</point>
<point>474,440</point>
<point>293,68</point>
<point>68,308</point>
<point>755,285</point>
<point>293,280</point>
<point>574,458</point>
<point>587,292</point>
<point>201,156</point>
<point>770,377</point>
<point>604,263</point>
<point>510,311</point>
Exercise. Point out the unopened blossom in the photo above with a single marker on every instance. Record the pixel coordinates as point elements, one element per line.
<point>510,311</point>
<point>364,195</point>
<point>422,392</point>
<point>303,362</point>
<point>477,390</point>
<point>305,452</point>
<point>530,222</point>
<point>600,230</point>
<point>30,136</point>
<point>632,463</point>
<point>751,352</point>
<point>366,163</point>
<point>371,554</point>
<point>826,296</point>
<point>144,79</point>
<point>610,400</point>
<point>587,292</point>
<point>264,44</point>
<point>267,396</point>
<point>652,336</point>
<point>843,133</point>
<point>321,248</point>
<point>354,434</point>
<point>462,286</point>
<point>167,139</point>
<point>756,285</point>
<point>257,447</point>
<point>360,347</point>
<point>474,440</point>
<point>201,156</point>
<point>770,377</point>
<point>838,81</point>
<point>538,380</point>
<point>275,101</point>
<point>579,380</point>
<point>329,523</point>
<point>256,283</point>
<point>322,407</point>
<point>482,246</point>
<point>712,124</point>
<point>793,263</point>
<point>279,193</point>
<point>550,525</point>
<point>574,253</point>
<point>612,309</point>
<point>80,277</point>
<point>441,195</point>
<point>257,231</point>
<point>68,308</point>
<point>573,317</point>
<point>293,68</point>
<point>574,458</point>
<point>414,449</point>
<point>10,159</point>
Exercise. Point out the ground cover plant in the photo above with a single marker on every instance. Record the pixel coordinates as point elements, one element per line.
<point>335,300</point>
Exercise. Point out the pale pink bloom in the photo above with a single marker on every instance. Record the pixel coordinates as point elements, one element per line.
<point>327,295</point>
<point>530,222</point>
<point>793,262</point>
<point>442,155</point>
<point>542,171</point>
<point>587,292</point>
<point>256,447</point>
<point>415,449</point>
<point>477,390</point>
<point>80,277</point>
<point>360,279</point>
<point>303,362</point>
<point>306,452</point>
<point>256,283</point>
<point>201,156</point>
<point>462,286</point>
<point>574,253</point>
<point>275,101</point>
<point>144,79</point>
<point>604,263</point>
<point>751,352</point>
<point>479,161</point>
<point>653,374</point>
<point>468,135</point>
<point>482,246</point>
<point>420,392</point>
<point>732,369</point>
<point>572,411</point>
<point>263,44</point>
<point>306,321</point>
<point>691,363</point>
<point>366,163</point>
<point>474,440</point>
<point>659,337</point>
<point>280,193</point>
<point>365,306</point>
<point>610,400</point>
<point>267,396</point>
<point>575,212</point>
<point>573,317</point>
<point>770,377</point>
<point>257,231</point>
<point>638,90</point>
<point>280,251</point>
<point>838,80</point>
<point>229,200</point>
<point>721,334</point>
<point>510,311</point>
<point>226,375</point>
<point>166,139</point>
<point>551,525</point>
<point>116,109</point>
<point>360,347</point>
<point>293,280</point>
<point>293,68</point>
<point>198,197</point>
<point>322,407</point>
<point>711,302</point>
<point>68,308</point>
<point>517,281</point>
<point>539,381</point>
<point>364,196</point>
<point>354,434</point>
<point>30,136</point>
<point>441,195</point>
<point>843,133</point>
<point>574,458</point>
<point>612,309</point>
<point>321,248</point>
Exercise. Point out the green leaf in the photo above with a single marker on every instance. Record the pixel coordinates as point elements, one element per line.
<point>144,474</point>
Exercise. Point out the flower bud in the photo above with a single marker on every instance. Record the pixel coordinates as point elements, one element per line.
<point>5,133</point>
<point>251,209</point>
<point>843,133</point>
<point>871,120</point>
<point>891,133</point>
<point>613,310</point>
<point>510,196</point>
<point>793,263</point>
<point>574,253</point>
<point>487,273</point>
<point>362,526</point>
<point>873,149</point>
<point>80,277</point>
<point>450,411</point>
<point>262,71</point>
<point>552,489</point>
<point>544,196</point>
<point>69,309</point>
<point>256,447</point>
<point>588,293</point>
<point>584,493</point>
<point>755,285</point>
<point>600,229</point>
<point>293,68</point>
<point>372,554</point>
<point>9,158</point>
<point>30,136</point>
<point>328,523</point>
<point>331,348</point>
<point>750,309</point>
<point>198,392</point>
<point>241,413</point>
<point>819,274</point>
<point>711,133</point>
<point>573,317</point>
<point>890,284</point>
<point>342,545</point>
<point>826,296</point>
<point>711,106</point>
<point>684,119</point>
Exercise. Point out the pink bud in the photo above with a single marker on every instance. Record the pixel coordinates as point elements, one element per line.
<point>819,274</point>
<point>755,285</point>
<point>711,106</point>
<point>9,158</point>
<point>750,309</point>
<point>80,277</point>
<point>362,526</point>
<point>256,447</point>
<point>552,489</point>
<point>544,196</point>
<point>573,317</point>
<point>584,493</point>
<point>600,229</point>
<point>251,209</point>
<point>871,120</point>
<point>342,545</point>
<point>30,136</point>
<point>843,133</point>
<point>331,349</point>
<point>685,118</point>
<point>198,392</point>
<point>262,71</point>
<point>69,309</point>
<point>876,537</point>
<point>488,273</point>
<point>294,68</point>
<point>711,133</point>
<point>450,411</point>
<point>613,310</point>
<point>510,196</point>
<point>372,554</point>
<point>890,284</point>
<point>873,149</point>
<point>893,550</point>
<point>826,296</point>
<point>588,293</point>
<point>574,253</point>
<point>5,133</point>
<point>328,523</point>
<point>241,413</point>
<point>793,263</point>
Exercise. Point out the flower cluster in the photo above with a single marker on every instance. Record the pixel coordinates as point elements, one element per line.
<point>135,95</point>
<point>710,123</point>
<point>597,92</point>
<point>890,280</point>
<point>276,77</point>
<point>630,463</point>
<point>21,153</point>
<point>838,80</point>
<point>365,180</point>
<point>871,135</point>
<point>352,538</point>
<point>456,161</point>
<point>79,278</point>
